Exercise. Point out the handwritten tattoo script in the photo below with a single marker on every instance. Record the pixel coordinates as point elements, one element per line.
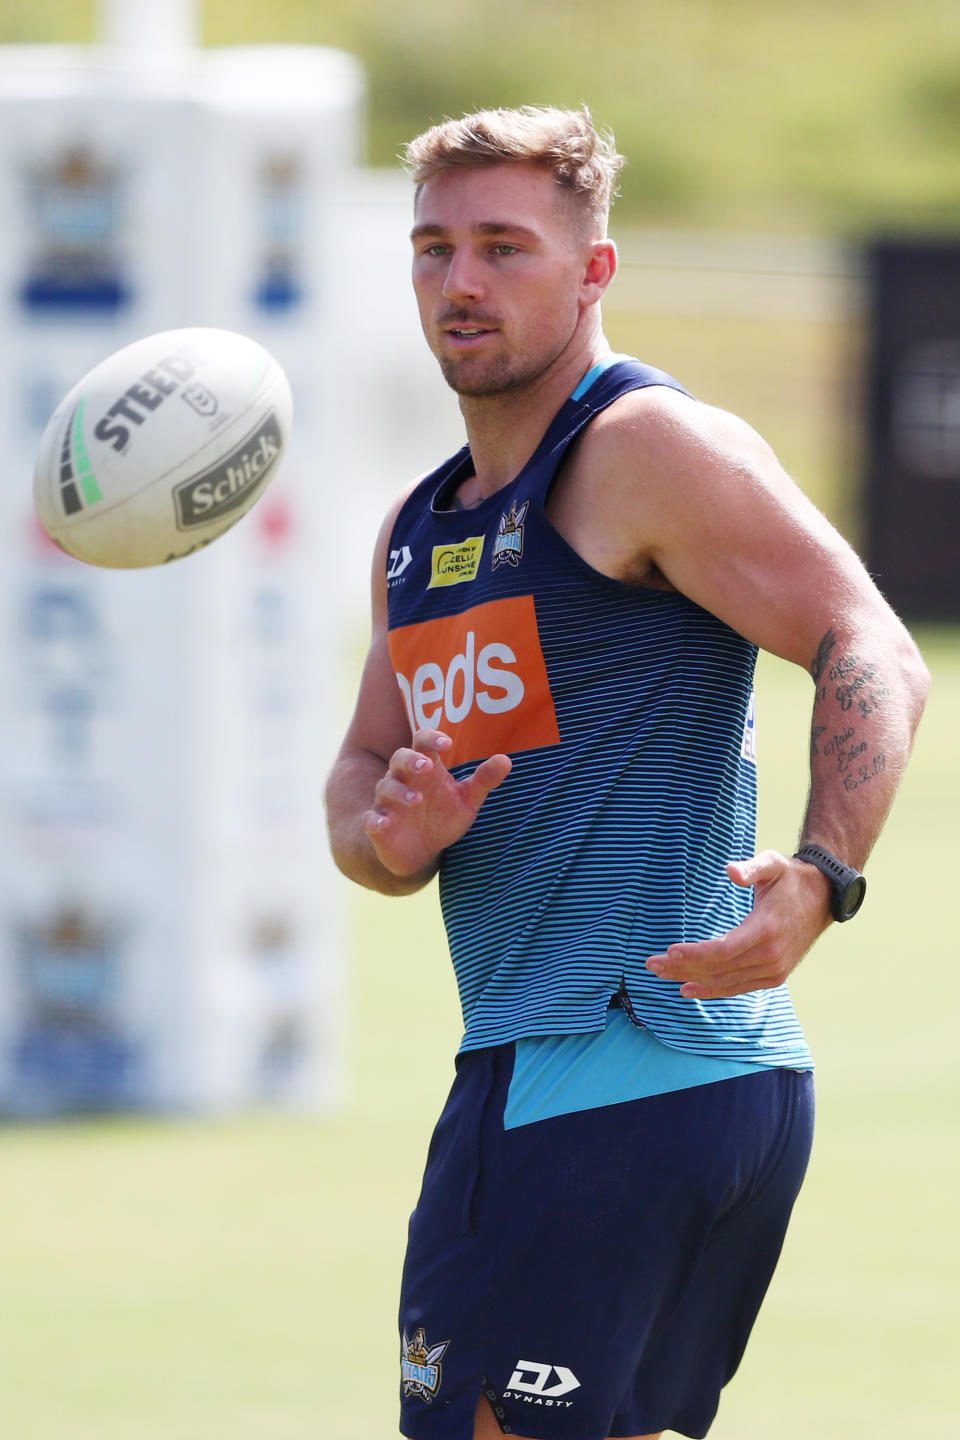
<point>859,693</point>
<point>865,773</point>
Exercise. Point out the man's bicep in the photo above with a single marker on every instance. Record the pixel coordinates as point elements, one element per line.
<point>780,587</point>
<point>380,724</point>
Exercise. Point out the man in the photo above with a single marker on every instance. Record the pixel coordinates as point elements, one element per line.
<point>556,715</point>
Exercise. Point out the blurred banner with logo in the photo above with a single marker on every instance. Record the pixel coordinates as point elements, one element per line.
<point>168,932</point>
<point>913,477</point>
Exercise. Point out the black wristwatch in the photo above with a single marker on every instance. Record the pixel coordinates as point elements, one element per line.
<point>847,886</point>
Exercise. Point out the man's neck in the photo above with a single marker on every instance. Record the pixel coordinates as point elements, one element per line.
<point>504,430</point>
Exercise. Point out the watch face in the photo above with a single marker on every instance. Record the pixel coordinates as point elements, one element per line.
<point>852,898</point>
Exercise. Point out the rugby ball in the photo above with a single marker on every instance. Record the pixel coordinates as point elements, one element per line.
<point>162,447</point>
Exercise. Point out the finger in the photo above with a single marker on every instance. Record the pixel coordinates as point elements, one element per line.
<point>374,822</point>
<point>727,989</point>
<point>759,869</point>
<point>717,952</point>
<point>757,971</point>
<point>487,776</point>
<point>754,944</point>
<point>393,791</point>
<point>409,765</point>
<point>432,742</point>
<point>751,965</point>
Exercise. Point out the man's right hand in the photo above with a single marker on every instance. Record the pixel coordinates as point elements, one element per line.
<point>419,808</point>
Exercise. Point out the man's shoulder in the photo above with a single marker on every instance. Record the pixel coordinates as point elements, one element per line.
<point>663,427</point>
<point>398,505</point>
<point>651,407</point>
<point>650,464</point>
<point>400,500</point>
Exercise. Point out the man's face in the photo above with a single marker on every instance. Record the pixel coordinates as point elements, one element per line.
<point>498,266</point>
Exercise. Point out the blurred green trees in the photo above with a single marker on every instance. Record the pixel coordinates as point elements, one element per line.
<point>734,113</point>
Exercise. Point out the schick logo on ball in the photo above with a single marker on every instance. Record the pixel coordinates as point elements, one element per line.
<point>230,483</point>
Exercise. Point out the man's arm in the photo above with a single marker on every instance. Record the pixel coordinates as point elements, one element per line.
<point>392,805</point>
<point>727,527</point>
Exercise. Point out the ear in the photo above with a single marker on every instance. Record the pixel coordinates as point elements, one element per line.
<point>601,266</point>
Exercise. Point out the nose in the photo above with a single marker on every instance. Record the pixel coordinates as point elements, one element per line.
<point>463,280</point>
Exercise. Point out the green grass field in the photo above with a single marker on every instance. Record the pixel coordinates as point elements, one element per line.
<point>238,1278</point>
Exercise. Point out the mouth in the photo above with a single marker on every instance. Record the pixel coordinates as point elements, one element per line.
<point>460,326</point>
<point>462,335</point>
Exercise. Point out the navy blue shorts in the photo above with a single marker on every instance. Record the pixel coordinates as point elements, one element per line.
<point>596,1273</point>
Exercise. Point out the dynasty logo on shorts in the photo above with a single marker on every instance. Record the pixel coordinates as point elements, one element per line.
<point>537,1384</point>
<point>480,676</point>
<point>420,1368</point>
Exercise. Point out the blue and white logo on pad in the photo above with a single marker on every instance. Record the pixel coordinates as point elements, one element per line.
<point>508,545</point>
<point>420,1368</point>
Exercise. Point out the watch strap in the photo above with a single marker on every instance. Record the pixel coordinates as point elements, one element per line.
<point>843,878</point>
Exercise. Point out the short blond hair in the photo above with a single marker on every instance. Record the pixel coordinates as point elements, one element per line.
<point>581,158</point>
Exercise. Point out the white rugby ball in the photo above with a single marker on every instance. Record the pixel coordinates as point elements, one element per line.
<point>162,447</point>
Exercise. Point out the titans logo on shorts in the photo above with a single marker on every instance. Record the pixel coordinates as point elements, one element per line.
<point>420,1366</point>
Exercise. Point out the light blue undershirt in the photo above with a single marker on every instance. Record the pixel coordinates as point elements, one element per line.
<point>557,1074</point>
<point>595,373</point>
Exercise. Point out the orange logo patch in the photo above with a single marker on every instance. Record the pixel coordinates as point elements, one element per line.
<point>480,677</point>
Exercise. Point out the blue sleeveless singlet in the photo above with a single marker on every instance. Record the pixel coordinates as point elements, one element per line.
<point>628,713</point>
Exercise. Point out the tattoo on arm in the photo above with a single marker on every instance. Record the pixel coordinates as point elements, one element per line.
<point>858,692</point>
<point>861,774</point>
<point>856,682</point>
<point>824,650</point>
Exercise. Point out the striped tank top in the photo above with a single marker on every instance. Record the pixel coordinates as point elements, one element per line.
<point>628,714</point>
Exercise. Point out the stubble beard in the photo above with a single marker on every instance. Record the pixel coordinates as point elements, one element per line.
<point>498,376</point>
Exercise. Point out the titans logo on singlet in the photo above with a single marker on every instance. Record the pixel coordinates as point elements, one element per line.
<point>627,712</point>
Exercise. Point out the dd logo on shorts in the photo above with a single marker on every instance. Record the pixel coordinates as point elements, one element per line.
<point>532,1378</point>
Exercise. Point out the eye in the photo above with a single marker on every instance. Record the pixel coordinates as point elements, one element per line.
<point>503,247</point>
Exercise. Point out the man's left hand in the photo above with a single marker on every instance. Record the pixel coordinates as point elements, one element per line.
<point>791,908</point>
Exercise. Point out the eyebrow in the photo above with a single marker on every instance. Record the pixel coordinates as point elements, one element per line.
<point>482,227</point>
